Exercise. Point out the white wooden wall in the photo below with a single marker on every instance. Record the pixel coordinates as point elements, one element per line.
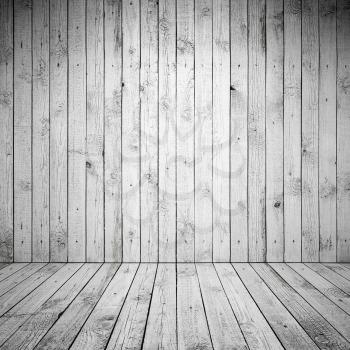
<point>188,130</point>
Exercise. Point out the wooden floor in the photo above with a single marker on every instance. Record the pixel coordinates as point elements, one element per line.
<point>169,306</point>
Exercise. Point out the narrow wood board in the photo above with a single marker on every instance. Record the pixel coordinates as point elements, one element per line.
<point>11,269</point>
<point>161,328</point>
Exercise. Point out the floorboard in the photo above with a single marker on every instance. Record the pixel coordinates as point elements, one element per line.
<point>174,306</point>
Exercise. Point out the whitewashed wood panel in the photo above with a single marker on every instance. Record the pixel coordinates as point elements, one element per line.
<point>77,131</point>
<point>22,124</point>
<point>292,130</point>
<point>41,130</point>
<point>310,132</point>
<point>221,130</point>
<point>327,130</point>
<point>149,130</point>
<point>203,132</point>
<point>343,131</point>
<point>131,131</point>
<point>94,131</point>
<point>238,130</point>
<point>185,130</point>
<point>256,131</point>
<point>274,131</point>
<point>6,130</point>
<point>113,132</point>
<point>167,130</point>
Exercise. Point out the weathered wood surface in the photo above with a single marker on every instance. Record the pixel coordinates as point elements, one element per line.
<point>174,131</point>
<point>173,306</point>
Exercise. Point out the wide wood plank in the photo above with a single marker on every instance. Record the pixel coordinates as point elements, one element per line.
<point>161,328</point>
<point>185,130</point>
<point>256,131</point>
<point>341,269</point>
<point>327,129</point>
<point>224,329</point>
<point>292,130</point>
<point>238,130</point>
<point>274,131</point>
<point>16,294</point>
<point>41,130</point>
<point>149,130</point>
<point>309,136</point>
<point>6,130</point>
<point>221,130</point>
<point>22,128</point>
<point>131,131</point>
<point>97,329</point>
<point>285,326</point>
<point>332,276</point>
<point>130,328</point>
<point>256,330</point>
<point>332,313</point>
<point>167,130</point>
<point>193,329</point>
<point>19,276</point>
<point>77,130</point>
<point>14,318</point>
<point>332,292</point>
<point>113,130</point>
<point>10,269</point>
<point>320,331</point>
<point>64,331</point>
<point>38,324</point>
<point>343,131</point>
<point>94,131</point>
<point>58,130</point>
<point>203,132</point>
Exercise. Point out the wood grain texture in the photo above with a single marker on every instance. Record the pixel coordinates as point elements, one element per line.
<point>77,131</point>
<point>343,131</point>
<point>239,131</point>
<point>58,130</point>
<point>185,130</point>
<point>292,130</point>
<point>131,131</point>
<point>95,131</point>
<point>256,131</point>
<point>327,130</point>
<point>22,125</point>
<point>274,131</point>
<point>6,133</point>
<point>113,130</point>
<point>41,130</point>
<point>167,131</point>
<point>221,130</point>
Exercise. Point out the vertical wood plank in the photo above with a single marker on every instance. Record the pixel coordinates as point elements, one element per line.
<point>22,130</point>
<point>343,130</point>
<point>58,130</point>
<point>185,130</point>
<point>6,130</point>
<point>167,130</point>
<point>113,134</point>
<point>310,69</point>
<point>221,130</point>
<point>274,130</point>
<point>131,131</point>
<point>256,131</point>
<point>41,130</point>
<point>327,130</point>
<point>94,131</point>
<point>77,130</point>
<point>238,131</point>
<point>203,131</point>
<point>149,130</point>
<point>292,130</point>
